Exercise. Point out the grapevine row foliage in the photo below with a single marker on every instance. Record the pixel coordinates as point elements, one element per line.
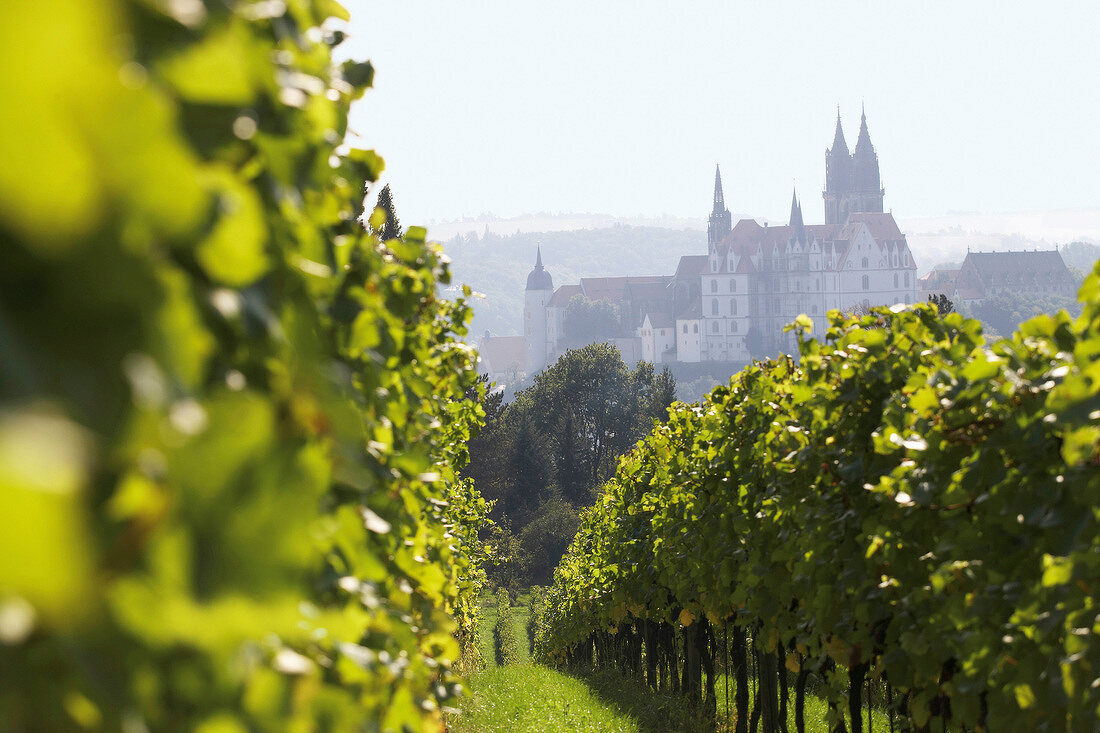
<point>504,632</point>
<point>906,501</point>
<point>230,417</point>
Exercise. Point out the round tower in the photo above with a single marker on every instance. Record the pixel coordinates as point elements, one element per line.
<point>540,287</point>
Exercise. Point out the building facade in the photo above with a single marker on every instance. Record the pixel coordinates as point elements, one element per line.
<point>732,303</point>
<point>982,274</point>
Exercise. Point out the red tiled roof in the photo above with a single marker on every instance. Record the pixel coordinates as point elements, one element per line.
<point>612,288</point>
<point>562,295</point>
<point>649,289</point>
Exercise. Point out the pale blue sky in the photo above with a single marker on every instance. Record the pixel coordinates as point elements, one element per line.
<point>623,108</point>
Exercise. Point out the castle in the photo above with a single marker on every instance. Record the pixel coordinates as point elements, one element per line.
<point>730,304</point>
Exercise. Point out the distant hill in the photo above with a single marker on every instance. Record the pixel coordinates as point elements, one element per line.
<point>497,266</point>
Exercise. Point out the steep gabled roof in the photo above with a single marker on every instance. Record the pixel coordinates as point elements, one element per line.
<point>745,266</point>
<point>882,226</point>
<point>1024,271</point>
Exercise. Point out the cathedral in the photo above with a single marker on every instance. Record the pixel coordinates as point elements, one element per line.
<point>731,304</point>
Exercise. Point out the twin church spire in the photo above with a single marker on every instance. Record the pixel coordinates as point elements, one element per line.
<point>852,185</point>
<point>852,180</point>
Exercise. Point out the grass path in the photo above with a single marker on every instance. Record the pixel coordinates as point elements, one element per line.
<point>532,698</point>
<point>527,697</point>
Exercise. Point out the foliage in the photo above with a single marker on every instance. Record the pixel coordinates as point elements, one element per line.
<point>229,417</point>
<point>588,321</point>
<point>391,225</point>
<point>908,504</point>
<point>754,342</point>
<point>593,409</point>
<point>1004,312</point>
<point>942,303</point>
<point>1081,256</point>
<point>504,631</point>
<point>545,538</point>
<point>541,456</point>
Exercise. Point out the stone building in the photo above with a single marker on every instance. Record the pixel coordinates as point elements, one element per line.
<point>754,279</point>
<point>989,273</point>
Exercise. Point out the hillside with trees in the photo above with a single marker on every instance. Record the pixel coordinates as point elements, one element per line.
<point>497,266</point>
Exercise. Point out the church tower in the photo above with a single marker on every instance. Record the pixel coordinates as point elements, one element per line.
<point>852,182</point>
<point>540,287</point>
<point>720,222</point>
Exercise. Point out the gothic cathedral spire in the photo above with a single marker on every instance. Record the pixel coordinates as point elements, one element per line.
<point>798,229</point>
<point>720,221</point>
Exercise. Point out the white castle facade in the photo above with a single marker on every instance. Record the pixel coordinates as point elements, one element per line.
<point>732,303</point>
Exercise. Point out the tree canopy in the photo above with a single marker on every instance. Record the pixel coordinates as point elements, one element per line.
<point>541,457</point>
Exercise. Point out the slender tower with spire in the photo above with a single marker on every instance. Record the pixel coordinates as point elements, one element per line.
<point>540,288</point>
<point>720,221</point>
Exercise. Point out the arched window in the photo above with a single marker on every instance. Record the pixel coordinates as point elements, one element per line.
<point>864,263</point>
<point>733,326</point>
<point>733,307</point>
<point>695,327</point>
<point>714,306</point>
<point>714,286</point>
<point>817,284</point>
<point>907,279</point>
<point>733,285</point>
<point>895,279</point>
<point>714,326</point>
<point>866,283</point>
<point>685,328</point>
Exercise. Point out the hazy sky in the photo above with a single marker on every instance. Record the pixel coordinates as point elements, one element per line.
<point>624,107</point>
